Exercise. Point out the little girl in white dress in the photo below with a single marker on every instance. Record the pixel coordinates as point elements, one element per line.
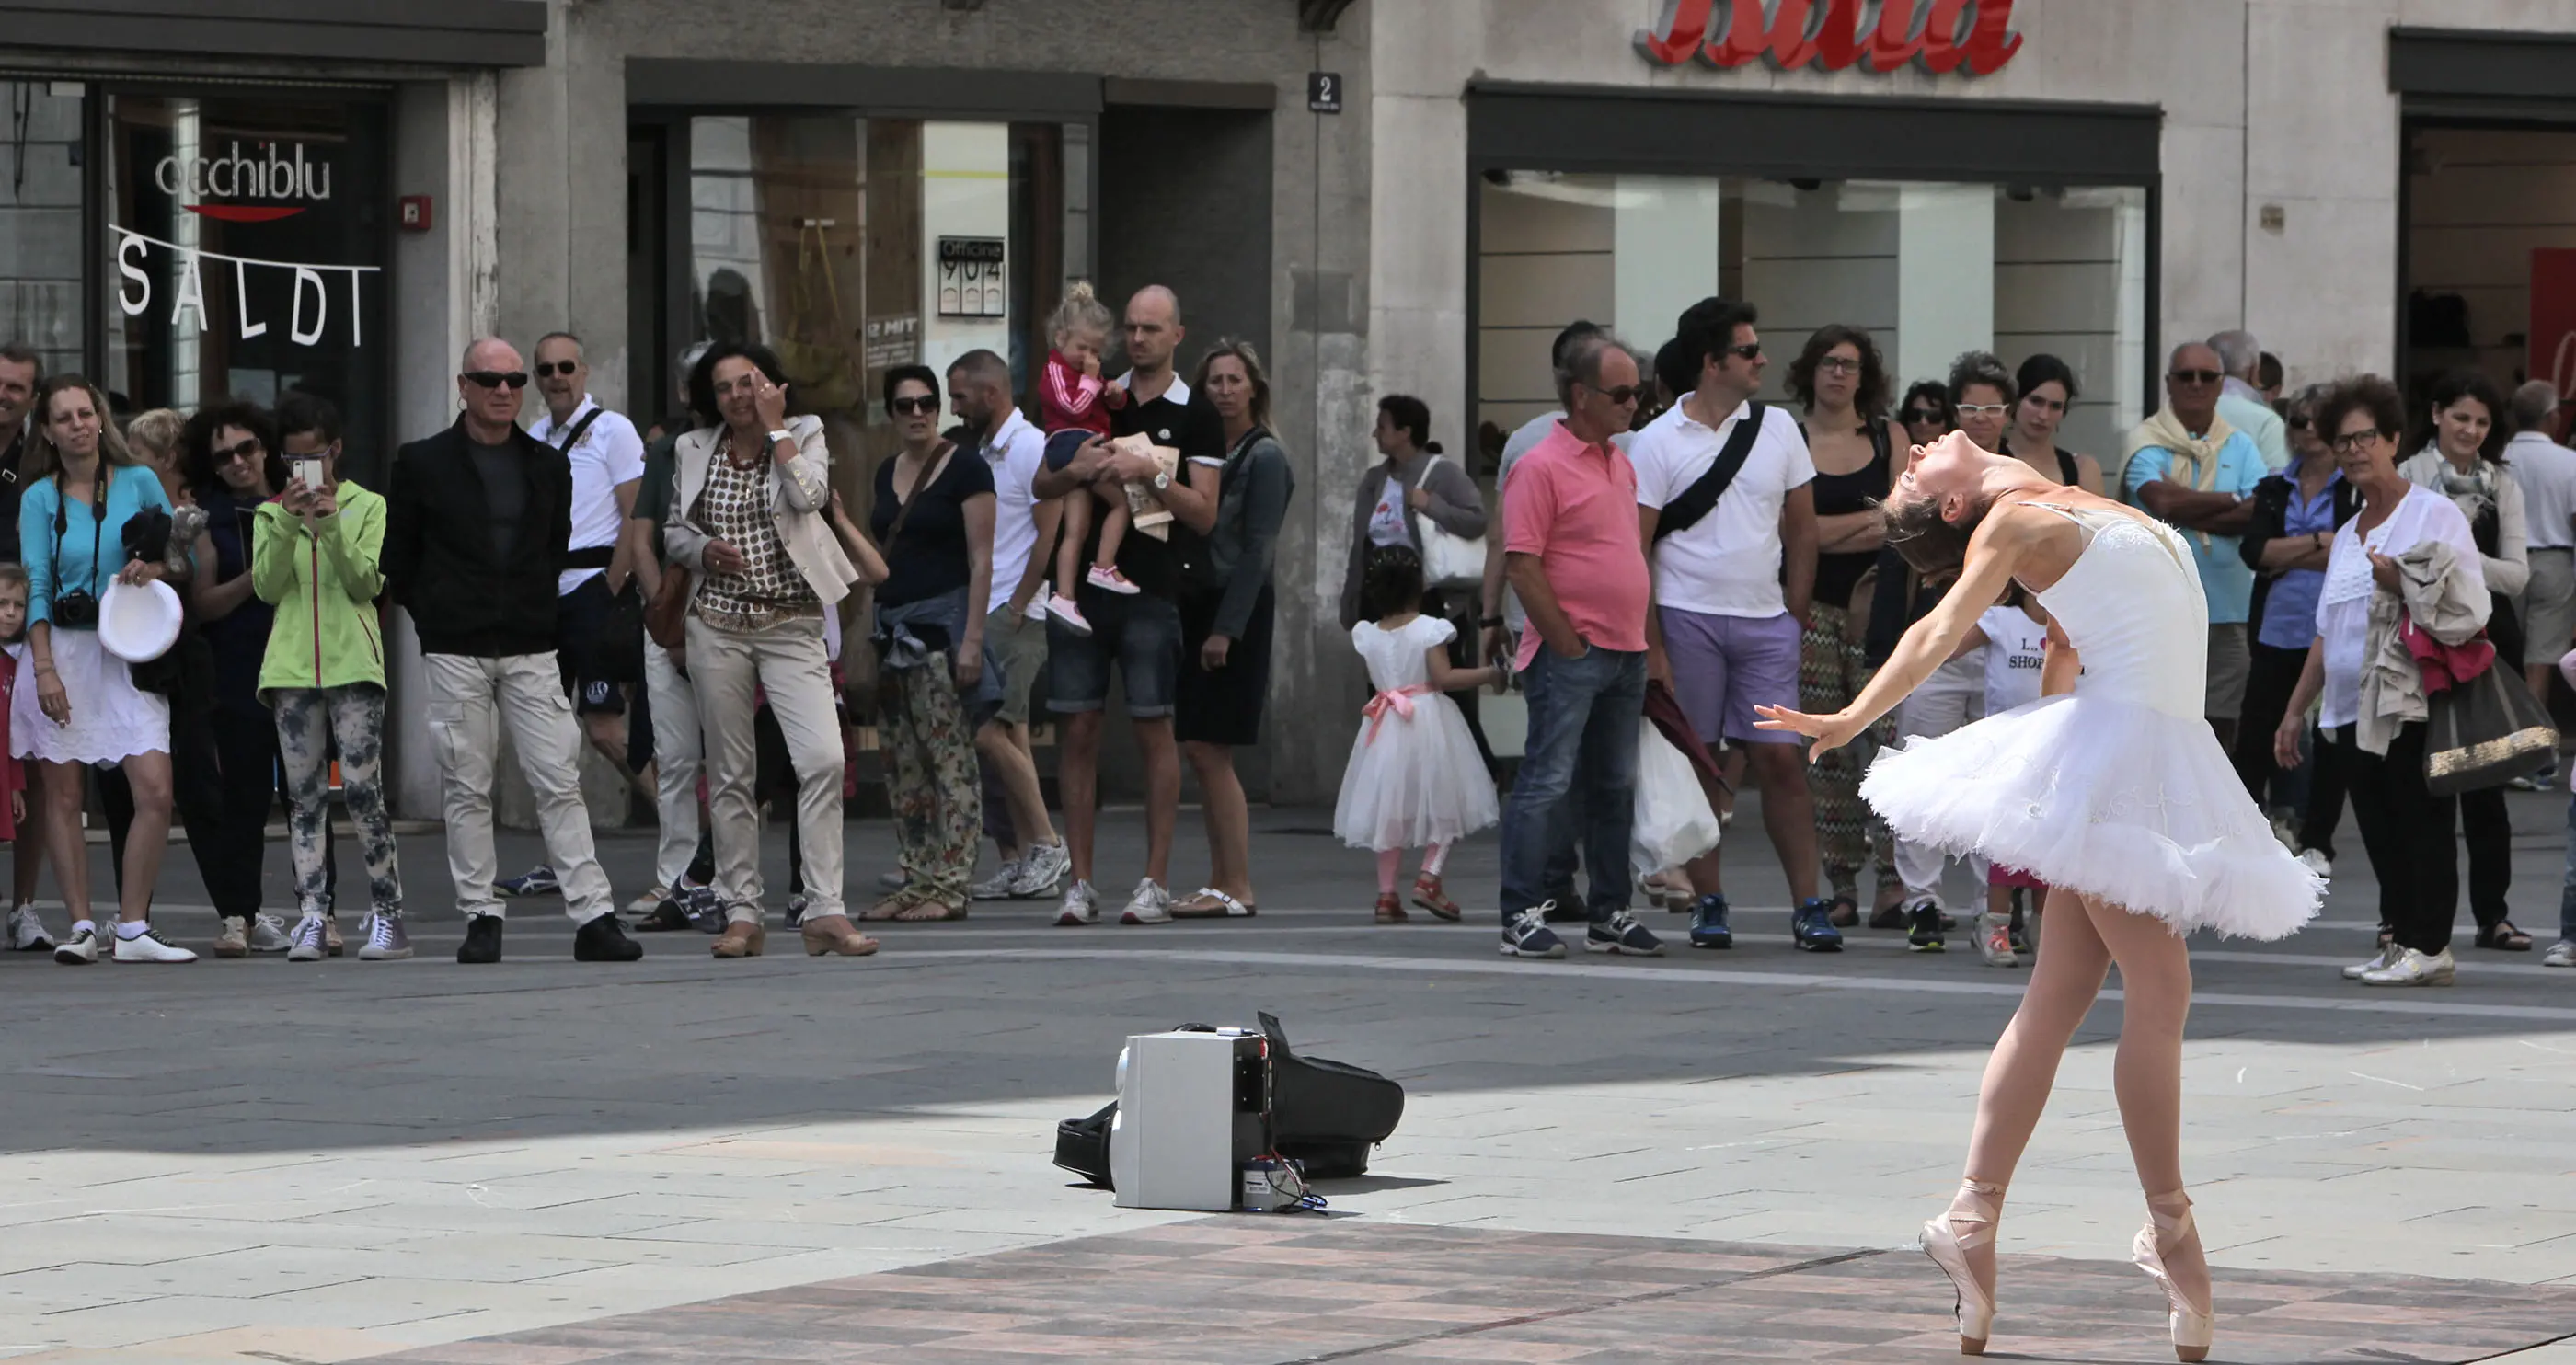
<point>1414,779</point>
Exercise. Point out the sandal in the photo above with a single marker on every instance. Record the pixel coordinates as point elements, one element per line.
<point>892,907</point>
<point>1390,910</point>
<point>1210,903</point>
<point>929,912</point>
<point>1843,911</point>
<point>1428,895</point>
<point>2504,938</point>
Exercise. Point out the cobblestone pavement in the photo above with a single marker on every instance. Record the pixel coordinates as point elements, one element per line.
<point>254,1160</point>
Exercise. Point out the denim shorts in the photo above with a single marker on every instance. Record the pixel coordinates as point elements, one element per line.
<point>1140,635</point>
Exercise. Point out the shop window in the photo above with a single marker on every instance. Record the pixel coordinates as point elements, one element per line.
<point>1930,269</point>
<point>40,222</point>
<point>852,245</point>
<point>2490,255</point>
<point>246,252</point>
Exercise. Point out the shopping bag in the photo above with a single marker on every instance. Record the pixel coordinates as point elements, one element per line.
<point>1672,823</point>
<point>2484,733</point>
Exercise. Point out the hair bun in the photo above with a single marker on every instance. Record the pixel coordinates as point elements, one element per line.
<point>1079,291</point>
<point>1432,449</point>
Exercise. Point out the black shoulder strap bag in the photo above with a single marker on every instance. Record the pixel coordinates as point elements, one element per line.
<point>1701,497</point>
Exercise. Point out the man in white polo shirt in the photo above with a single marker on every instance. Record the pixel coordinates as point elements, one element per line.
<point>1034,859</point>
<point>607,456</point>
<point>1730,529</point>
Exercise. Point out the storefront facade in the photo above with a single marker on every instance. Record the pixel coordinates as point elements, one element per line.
<point>2094,180</point>
<point>876,182</point>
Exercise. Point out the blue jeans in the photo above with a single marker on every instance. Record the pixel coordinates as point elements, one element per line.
<point>1583,717</point>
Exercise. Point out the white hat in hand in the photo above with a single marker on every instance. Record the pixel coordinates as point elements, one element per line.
<point>138,623</point>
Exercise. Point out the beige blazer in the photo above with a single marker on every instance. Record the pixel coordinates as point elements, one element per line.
<point>801,511</point>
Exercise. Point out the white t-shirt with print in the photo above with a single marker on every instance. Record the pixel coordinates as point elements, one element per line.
<point>1728,563</point>
<point>610,453</point>
<point>2016,652</point>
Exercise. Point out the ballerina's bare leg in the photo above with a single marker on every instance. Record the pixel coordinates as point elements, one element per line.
<point>2084,940</point>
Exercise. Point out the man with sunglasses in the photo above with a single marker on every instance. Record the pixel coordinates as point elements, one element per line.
<point>1569,534</point>
<point>2189,467</point>
<point>607,457</point>
<point>476,525</point>
<point>1726,508</point>
<point>2241,400</point>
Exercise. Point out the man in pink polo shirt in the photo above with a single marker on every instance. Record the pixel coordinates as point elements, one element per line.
<point>1571,551</point>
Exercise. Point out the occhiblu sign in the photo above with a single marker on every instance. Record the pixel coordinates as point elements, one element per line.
<point>1970,36</point>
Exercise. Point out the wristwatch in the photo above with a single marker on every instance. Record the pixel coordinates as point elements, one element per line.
<point>1489,621</point>
<point>1161,481</point>
<point>782,434</point>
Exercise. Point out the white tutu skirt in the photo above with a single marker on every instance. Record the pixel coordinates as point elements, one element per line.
<point>1418,782</point>
<point>112,719</point>
<point>2121,802</point>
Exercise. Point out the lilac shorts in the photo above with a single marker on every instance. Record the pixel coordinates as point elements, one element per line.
<point>1724,666</point>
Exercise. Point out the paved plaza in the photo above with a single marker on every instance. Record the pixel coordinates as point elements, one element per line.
<point>1707,1156</point>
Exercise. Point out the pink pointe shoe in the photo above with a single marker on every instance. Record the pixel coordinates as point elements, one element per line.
<point>1969,1225</point>
<point>2169,1224</point>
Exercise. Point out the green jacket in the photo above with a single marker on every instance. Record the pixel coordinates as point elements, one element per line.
<point>324,587</point>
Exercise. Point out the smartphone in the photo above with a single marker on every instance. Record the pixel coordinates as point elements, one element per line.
<point>309,469</point>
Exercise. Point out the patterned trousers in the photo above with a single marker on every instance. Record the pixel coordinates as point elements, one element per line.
<point>309,722</point>
<point>931,781</point>
<point>1832,670</point>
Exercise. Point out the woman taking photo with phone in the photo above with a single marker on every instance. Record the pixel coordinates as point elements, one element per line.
<point>316,554</point>
<point>84,709</point>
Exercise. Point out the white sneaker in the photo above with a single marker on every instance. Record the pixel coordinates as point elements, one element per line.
<point>998,886</point>
<point>268,934</point>
<point>149,946</point>
<point>80,950</point>
<point>308,945</point>
<point>1042,871</point>
<point>1994,940</point>
<point>1081,906</point>
<point>2560,954</point>
<point>2413,969</point>
<point>2387,957</point>
<point>1150,905</point>
<point>27,932</point>
<point>2316,862</point>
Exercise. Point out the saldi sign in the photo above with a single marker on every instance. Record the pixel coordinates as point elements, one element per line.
<point>1972,37</point>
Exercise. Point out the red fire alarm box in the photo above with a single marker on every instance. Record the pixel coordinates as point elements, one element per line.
<point>414,213</point>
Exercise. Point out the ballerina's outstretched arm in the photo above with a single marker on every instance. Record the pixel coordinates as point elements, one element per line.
<point>1999,548</point>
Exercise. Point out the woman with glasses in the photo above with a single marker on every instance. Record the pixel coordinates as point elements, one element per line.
<point>1925,412</point>
<point>933,519</point>
<point>750,520</point>
<point>84,710</point>
<point>2047,386</point>
<point>1841,382</point>
<point>2371,713</point>
<point>232,466</point>
<point>2461,456</point>
<point>1980,396</point>
<point>2296,513</point>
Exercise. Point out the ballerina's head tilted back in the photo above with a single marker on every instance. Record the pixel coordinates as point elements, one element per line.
<point>1944,492</point>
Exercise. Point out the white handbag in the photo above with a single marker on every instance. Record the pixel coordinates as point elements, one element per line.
<point>1449,561</point>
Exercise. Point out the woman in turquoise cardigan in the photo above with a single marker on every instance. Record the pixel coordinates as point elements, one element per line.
<point>85,710</point>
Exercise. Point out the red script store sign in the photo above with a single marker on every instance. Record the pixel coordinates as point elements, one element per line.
<point>1973,36</point>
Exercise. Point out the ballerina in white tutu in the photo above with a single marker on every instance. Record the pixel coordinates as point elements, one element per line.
<point>2111,789</point>
<point>1414,779</point>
